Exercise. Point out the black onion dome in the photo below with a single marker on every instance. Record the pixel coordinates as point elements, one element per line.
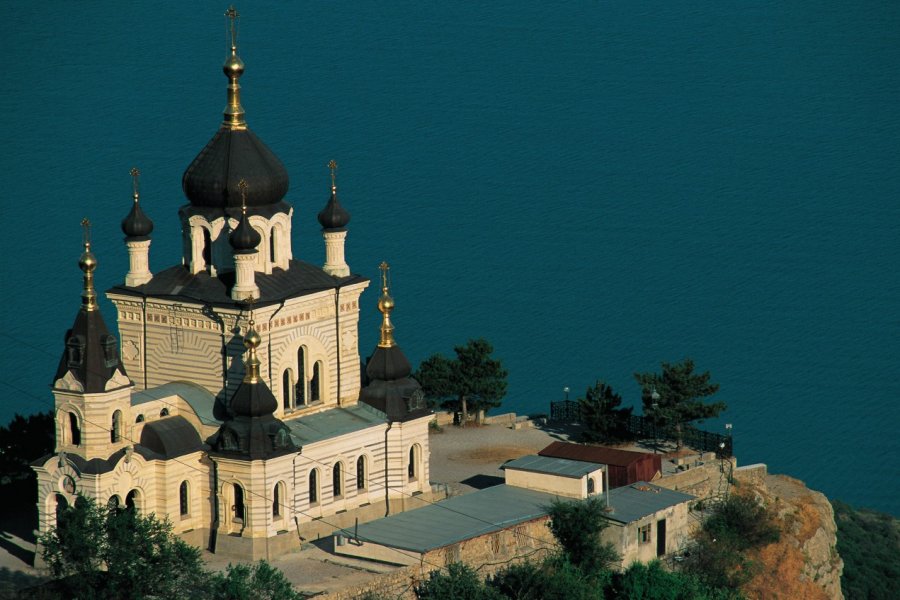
<point>244,238</point>
<point>231,155</point>
<point>137,224</point>
<point>387,364</point>
<point>334,216</point>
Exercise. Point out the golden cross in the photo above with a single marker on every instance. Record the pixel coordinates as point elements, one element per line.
<point>86,232</point>
<point>250,301</point>
<point>333,166</point>
<point>384,274</point>
<point>242,184</point>
<point>232,14</point>
<point>134,182</point>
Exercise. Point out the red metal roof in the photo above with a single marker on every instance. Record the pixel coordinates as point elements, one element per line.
<point>594,454</point>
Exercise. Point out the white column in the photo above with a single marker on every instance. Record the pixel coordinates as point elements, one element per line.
<point>245,277</point>
<point>335,263</point>
<point>138,263</point>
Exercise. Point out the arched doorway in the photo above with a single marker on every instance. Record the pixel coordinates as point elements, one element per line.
<point>133,501</point>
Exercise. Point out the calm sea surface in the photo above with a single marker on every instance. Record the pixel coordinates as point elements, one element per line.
<point>595,187</point>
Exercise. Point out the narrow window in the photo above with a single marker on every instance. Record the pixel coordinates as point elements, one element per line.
<point>74,430</point>
<point>301,376</point>
<point>113,503</point>
<point>590,485</point>
<point>207,248</point>
<point>272,246</point>
<point>314,384</point>
<point>183,499</point>
<point>361,473</point>
<point>411,468</point>
<point>164,412</point>
<point>133,500</point>
<point>337,480</point>
<point>276,500</point>
<point>238,507</point>
<point>313,487</point>
<point>75,350</point>
<point>286,386</point>
<point>115,432</point>
<point>110,356</point>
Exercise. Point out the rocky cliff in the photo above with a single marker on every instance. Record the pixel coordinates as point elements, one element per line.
<point>804,563</point>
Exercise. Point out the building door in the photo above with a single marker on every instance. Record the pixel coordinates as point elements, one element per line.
<point>660,537</point>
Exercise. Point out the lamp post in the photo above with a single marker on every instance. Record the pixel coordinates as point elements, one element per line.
<point>566,392</point>
<point>728,428</point>
<point>654,395</point>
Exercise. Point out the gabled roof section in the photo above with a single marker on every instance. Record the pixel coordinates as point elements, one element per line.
<point>634,502</point>
<point>594,454</point>
<point>177,283</point>
<point>91,354</point>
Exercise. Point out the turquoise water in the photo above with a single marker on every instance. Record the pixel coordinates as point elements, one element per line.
<point>595,187</point>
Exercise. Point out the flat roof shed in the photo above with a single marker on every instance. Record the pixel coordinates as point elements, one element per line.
<point>625,466</point>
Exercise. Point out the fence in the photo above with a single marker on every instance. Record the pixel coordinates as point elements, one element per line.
<point>645,428</point>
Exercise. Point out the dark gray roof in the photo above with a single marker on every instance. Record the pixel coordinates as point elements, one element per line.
<point>198,397</point>
<point>634,502</point>
<point>553,466</point>
<point>334,422</point>
<point>91,353</point>
<point>456,519</point>
<point>171,437</point>
<point>300,279</point>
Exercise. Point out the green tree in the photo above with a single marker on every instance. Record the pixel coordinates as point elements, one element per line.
<point>869,543</point>
<point>459,583</point>
<point>260,581</point>
<point>577,526</point>
<point>474,379</point>
<point>553,579</point>
<point>601,414</point>
<point>720,557</point>
<point>680,394</point>
<point>652,582</point>
<point>22,441</point>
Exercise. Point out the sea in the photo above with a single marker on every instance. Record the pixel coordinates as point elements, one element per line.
<point>595,187</point>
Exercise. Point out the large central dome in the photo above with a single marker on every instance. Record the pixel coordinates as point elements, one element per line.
<point>233,154</point>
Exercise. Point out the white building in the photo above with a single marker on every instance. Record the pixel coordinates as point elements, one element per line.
<point>235,404</point>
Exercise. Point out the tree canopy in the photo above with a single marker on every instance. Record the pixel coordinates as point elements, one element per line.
<point>104,553</point>
<point>473,380</point>
<point>601,415</point>
<point>678,394</point>
<point>23,440</point>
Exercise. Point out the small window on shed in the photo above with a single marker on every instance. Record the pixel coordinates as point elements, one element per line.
<point>644,534</point>
<point>591,485</point>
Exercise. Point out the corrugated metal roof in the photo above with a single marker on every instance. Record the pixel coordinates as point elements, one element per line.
<point>456,519</point>
<point>197,396</point>
<point>554,466</point>
<point>333,422</point>
<point>594,454</point>
<point>638,500</point>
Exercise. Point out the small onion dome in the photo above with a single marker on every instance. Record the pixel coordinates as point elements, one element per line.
<point>244,239</point>
<point>334,216</point>
<point>137,225</point>
<point>212,178</point>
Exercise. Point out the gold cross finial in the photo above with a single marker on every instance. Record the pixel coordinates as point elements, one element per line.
<point>86,232</point>
<point>135,174</point>
<point>333,166</point>
<point>384,274</point>
<point>232,14</point>
<point>242,184</point>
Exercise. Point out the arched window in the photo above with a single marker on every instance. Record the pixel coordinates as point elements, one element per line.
<point>278,497</point>
<point>361,474</point>
<point>238,506</point>
<point>140,419</point>
<point>75,349</point>
<point>184,500</point>
<point>164,412</point>
<point>207,248</point>
<point>115,432</point>
<point>61,505</point>
<point>590,485</point>
<point>301,376</point>
<point>74,429</point>
<point>133,500</point>
<point>337,479</point>
<point>314,383</point>
<point>413,468</point>
<point>272,246</point>
<point>113,502</point>
<point>110,356</point>
<point>314,486</point>
<point>287,387</point>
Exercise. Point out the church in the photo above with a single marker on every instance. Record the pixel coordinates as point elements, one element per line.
<point>234,402</point>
